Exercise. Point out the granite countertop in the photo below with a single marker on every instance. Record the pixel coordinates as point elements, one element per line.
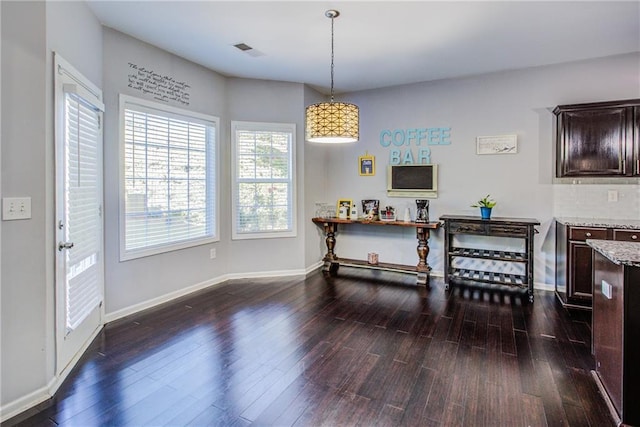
<point>631,224</point>
<point>621,253</point>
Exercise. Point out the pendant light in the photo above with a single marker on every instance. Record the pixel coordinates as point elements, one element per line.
<point>332,122</point>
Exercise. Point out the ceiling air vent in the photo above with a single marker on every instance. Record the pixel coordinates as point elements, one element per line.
<point>248,49</point>
<point>242,46</point>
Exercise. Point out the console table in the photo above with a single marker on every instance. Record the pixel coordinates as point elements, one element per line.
<point>332,262</point>
<point>520,228</point>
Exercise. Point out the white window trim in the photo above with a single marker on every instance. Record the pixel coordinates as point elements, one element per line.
<point>168,110</point>
<point>262,126</point>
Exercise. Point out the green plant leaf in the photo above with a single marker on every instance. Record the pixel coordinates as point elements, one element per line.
<point>485,202</point>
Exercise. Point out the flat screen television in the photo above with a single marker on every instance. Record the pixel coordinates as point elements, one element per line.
<point>412,181</point>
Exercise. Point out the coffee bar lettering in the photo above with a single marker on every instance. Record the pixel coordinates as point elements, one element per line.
<point>398,139</point>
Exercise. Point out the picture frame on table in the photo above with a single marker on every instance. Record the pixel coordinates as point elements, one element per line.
<point>367,165</point>
<point>343,203</point>
<point>371,209</point>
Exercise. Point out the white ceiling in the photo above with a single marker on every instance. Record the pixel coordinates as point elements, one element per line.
<point>377,43</point>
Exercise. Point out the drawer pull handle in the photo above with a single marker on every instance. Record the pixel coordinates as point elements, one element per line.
<point>634,237</point>
<point>588,234</point>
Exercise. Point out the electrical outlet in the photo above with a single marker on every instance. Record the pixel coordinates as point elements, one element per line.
<point>16,208</point>
<point>612,195</point>
<point>607,289</point>
<point>212,253</point>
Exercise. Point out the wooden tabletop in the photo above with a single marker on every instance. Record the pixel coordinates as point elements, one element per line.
<point>496,219</point>
<point>432,225</point>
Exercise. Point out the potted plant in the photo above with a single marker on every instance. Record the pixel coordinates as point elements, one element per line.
<point>485,204</point>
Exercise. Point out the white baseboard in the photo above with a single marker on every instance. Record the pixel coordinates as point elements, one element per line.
<point>132,309</point>
<point>266,274</point>
<point>539,286</point>
<point>313,267</point>
<point>35,398</point>
<point>25,402</point>
<point>127,311</point>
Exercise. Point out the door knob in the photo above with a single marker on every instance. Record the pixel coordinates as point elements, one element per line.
<point>65,245</point>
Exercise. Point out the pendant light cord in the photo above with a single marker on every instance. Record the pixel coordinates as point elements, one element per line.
<point>332,18</point>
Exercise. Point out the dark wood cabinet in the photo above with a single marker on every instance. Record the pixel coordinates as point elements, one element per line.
<point>574,265</point>
<point>636,140</point>
<point>574,260</point>
<point>616,336</point>
<point>626,235</point>
<point>579,288</point>
<point>598,139</point>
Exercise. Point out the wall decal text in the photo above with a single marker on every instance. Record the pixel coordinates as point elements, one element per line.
<point>161,88</point>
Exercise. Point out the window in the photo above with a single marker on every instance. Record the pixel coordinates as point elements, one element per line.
<point>263,190</point>
<point>169,183</point>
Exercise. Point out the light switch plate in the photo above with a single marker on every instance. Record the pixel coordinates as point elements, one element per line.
<point>16,208</point>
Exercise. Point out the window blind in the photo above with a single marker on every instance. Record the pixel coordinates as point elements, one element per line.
<point>169,184</point>
<point>82,144</point>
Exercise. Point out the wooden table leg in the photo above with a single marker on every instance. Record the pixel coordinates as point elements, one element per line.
<point>330,259</point>
<point>423,251</point>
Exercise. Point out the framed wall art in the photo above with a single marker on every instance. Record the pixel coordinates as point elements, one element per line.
<point>499,144</point>
<point>367,165</point>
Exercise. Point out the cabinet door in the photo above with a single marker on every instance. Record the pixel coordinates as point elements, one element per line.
<point>592,141</point>
<point>580,274</point>
<point>636,141</point>
<point>608,326</point>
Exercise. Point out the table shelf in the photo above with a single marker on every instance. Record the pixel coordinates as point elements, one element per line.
<point>387,266</point>
<point>488,254</point>
<point>517,228</point>
<point>489,277</point>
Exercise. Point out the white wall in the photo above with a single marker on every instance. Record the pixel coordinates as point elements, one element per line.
<point>27,349</point>
<point>592,200</point>
<point>23,174</point>
<point>516,102</point>
<point>140,280</point>
<point>315,183</point>
<point>278,102</point>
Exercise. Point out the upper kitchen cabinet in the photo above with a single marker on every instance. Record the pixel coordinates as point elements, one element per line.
<point>598,139</point>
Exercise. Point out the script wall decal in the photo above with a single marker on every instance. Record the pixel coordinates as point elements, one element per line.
<point>161,87</point>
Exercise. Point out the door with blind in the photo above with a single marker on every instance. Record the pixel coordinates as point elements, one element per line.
<point>79,252</point>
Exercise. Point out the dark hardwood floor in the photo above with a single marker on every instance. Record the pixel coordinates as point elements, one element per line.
<point>364,348</point>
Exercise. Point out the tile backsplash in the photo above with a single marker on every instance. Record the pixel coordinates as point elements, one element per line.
<point>593,201</point>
